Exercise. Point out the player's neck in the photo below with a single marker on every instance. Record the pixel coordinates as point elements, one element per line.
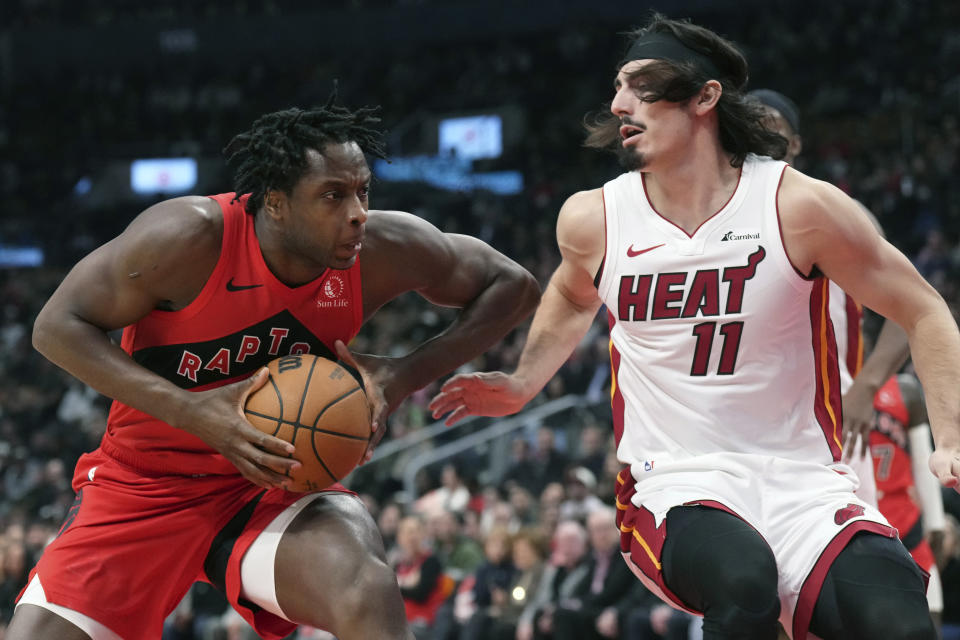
<point>284,264</point>
<point>694,187</point>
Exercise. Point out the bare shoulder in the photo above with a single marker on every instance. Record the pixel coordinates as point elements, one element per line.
<point>172,248</point>
<point>179,224</point>
<point>820,222</point>
<point>396,229</point>
<point>583,207</point>
<point>800,195</point>
<point>581,228</point>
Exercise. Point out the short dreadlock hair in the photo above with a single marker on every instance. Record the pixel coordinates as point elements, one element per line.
<point>272,154</point>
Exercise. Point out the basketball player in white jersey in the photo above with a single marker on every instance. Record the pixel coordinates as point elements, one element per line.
<point>711,260</point>
<point>859,380</point>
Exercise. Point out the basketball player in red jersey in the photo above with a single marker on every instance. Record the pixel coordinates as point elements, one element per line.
<point>712,261</point>
<point>208,290</point>
<point>908,495</point>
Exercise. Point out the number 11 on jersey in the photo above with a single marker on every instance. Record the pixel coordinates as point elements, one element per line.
<point>704,333</point>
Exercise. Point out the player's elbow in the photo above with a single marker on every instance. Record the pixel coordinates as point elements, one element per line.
<point>525,289</point>
<point>41,336</point>
<point>46,329</point>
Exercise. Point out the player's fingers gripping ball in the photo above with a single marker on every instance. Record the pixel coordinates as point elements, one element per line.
<point>320,407</point>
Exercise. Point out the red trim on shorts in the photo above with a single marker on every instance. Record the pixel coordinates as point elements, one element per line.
<point>642,538</point>
<point>810,590</point>
<point>826,404</point>
<point>646,195</point>
<point>776,204</point>
<point>854,336</point>
<point>616,398</point>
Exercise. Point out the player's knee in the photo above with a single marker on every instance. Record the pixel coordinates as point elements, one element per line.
<point>754,620</point>
<point>746,600</point>
<point>906,618</point>
<point>373,582</point>
<point>749,581</point>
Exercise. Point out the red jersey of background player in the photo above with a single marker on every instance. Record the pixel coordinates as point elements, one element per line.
<point>890,448</point>
<point>243,318</point>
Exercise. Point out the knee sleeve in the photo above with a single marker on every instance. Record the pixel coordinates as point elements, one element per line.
<point>720,565</point>
<point>874,589</point>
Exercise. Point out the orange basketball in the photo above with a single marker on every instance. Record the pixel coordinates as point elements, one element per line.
<point>319,407</point>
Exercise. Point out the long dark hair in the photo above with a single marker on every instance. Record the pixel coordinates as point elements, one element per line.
<point>740,120</point>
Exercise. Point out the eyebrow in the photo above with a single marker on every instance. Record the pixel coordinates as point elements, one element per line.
<point>337,182</point>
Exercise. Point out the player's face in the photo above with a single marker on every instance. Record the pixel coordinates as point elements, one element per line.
<point>650,132</point>
<point>328,206</point>
<point>776,122</point>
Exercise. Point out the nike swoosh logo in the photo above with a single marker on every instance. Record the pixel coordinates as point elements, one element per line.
<point>633,254</point>
<point>241,287</point>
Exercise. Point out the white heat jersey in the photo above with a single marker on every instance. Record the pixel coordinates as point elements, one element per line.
<point>717,343</point>
<point>846,316</point>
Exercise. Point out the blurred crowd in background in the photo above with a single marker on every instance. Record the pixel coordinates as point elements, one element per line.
<point>880,116</point>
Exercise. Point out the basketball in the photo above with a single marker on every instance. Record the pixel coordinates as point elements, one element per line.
<point>319,406</point>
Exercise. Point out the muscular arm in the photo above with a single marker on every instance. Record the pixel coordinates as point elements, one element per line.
<point>570,301</point>
<point>405,253</point>
<point>162,260</point>
<point>564,316</point>
<point>889,354</point>
<point>824,228</point>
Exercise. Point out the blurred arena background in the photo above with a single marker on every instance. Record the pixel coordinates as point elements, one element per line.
<point>111,105</point>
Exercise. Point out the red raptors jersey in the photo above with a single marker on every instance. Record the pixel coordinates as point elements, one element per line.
<point>243,318</point>
<point>891,458</point>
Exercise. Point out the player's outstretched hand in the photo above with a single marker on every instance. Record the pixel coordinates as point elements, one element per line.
<point>376,372</point>
<point>216,417</point>
<point>857,419</point>
<point>945,464</point>
<point>491,393</point>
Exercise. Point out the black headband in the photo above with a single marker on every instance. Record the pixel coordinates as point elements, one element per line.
<point>781,103</point>
<point>664,46</point>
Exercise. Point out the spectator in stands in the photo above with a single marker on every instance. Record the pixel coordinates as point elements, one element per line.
<point>200,616</point>
<point>15,570</point>
<point>458,554</point>
<point>580,498</point>
<point>550,500</point>
<point>387,522</point>
<point>564,579</point>
<point>601,610</point>
<point>549,462</point>
<point>451,495</point>
<point>423,584</point>
<point>498,621</point>
<point>497,512</point>
<point>482,593</point>
<point>524,506</point>
<point>594,443</point>
<point>39,533</point>
<point>522,471</point>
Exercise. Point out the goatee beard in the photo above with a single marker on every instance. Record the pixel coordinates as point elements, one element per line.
<point>630,159</point>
